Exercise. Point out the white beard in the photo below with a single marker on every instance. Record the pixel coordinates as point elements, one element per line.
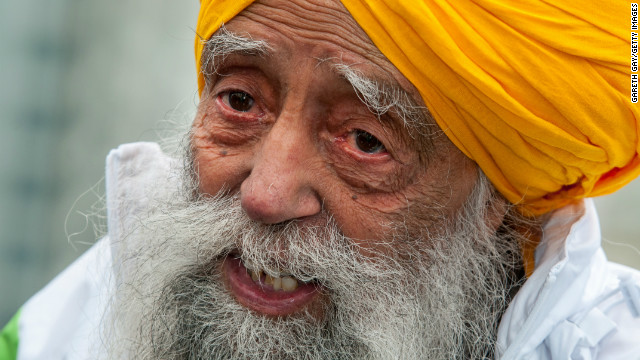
<point>440,297</point>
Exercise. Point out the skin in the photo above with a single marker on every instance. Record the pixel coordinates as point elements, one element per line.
<point>293,156</point>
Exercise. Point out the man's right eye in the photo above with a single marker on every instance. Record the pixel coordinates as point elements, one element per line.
<point>238,100</point>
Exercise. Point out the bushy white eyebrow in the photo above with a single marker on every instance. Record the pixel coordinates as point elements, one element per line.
<point>224,43</point>
<point>381,97</point>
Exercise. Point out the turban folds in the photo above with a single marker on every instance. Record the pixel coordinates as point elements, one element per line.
<point>536,93</point>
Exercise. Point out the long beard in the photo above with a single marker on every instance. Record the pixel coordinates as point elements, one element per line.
<point>418,296</point>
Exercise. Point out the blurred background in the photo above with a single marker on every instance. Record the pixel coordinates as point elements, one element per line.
<point>79,77</point>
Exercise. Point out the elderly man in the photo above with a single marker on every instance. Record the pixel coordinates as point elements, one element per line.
<point>369,179</point>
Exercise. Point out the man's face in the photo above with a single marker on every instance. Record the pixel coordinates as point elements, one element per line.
<point>332,219</point>
<point>287,130</point>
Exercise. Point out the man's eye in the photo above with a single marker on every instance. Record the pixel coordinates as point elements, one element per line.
<point>367,143</point>
<point>239,101</point>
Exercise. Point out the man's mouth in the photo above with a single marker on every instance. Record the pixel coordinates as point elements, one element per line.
<point>267,294</point>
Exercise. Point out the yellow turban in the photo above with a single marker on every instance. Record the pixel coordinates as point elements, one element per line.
<point>537,93</point>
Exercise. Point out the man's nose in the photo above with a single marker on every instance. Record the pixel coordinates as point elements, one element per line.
<point>280,185</point>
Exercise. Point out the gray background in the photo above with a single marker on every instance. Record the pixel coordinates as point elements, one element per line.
<point>77,78</point>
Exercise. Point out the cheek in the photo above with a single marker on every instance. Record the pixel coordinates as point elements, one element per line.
<point>218,167</point>
<point>366,218</point>
<point>217,171</point>
<point>417,209</point>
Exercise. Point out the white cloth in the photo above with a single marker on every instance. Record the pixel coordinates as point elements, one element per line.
<point>576,305</point>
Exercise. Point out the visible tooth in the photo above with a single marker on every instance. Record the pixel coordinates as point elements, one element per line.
<point>277,283</point>
<point>268,280</point>
<point>255,275</point>
<point>289,283</point>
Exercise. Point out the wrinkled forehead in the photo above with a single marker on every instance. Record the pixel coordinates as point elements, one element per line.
<point>323,30</point>
<point>322,25</point>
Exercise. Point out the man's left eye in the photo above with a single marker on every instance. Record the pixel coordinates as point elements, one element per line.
<point>367,143</point>
<point>238,100</point>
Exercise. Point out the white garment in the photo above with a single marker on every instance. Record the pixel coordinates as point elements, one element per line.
<point>576,305</point>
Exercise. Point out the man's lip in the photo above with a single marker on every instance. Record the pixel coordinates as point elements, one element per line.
<point>261,297</point>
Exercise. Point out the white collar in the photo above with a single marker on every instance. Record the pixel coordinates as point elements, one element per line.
<point>562,283</point>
